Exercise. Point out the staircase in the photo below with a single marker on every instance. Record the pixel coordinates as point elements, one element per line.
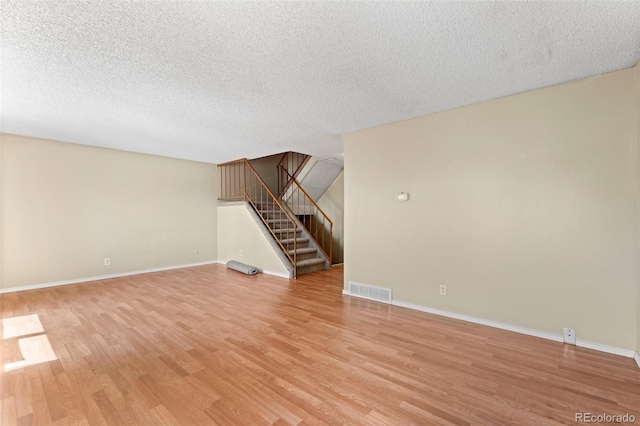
<point>240,181</point>
<point>294,238</point>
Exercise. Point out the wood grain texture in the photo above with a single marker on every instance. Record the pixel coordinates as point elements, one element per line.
<point>207,345</point>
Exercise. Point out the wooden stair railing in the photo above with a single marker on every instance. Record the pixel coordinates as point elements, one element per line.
<point>290,165</point>
<point>240,181</point>
<point>317,223</point>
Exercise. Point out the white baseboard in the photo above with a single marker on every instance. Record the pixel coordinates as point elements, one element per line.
<point>489,323</point>
<point>100,277</point>
<point>627,353</point>
<point>122,274</point>
<point>530,332</point>
<point>276,274</point>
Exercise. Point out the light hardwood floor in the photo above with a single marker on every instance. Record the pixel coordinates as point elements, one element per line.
<point>206,345</point>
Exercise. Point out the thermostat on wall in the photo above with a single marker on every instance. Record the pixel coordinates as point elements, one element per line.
<point>402,196</point>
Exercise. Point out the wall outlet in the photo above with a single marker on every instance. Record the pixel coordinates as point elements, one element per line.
<point>443,290</point>
<point>107,261</point>
<point>240,253</point>
<point>569,336</point>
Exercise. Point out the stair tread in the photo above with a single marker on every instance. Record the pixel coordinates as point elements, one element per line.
<point>278,220</point>
<point>291,240</point>
<point>309,262</point>
<point>304,250</point>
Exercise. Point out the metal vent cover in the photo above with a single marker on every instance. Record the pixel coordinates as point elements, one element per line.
<point>379,294</point>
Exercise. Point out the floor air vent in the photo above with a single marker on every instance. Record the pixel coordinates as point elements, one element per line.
<point>378,294</point>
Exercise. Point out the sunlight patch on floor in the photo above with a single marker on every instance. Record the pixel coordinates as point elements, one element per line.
<point>21,326</point>
<point>34,349</point>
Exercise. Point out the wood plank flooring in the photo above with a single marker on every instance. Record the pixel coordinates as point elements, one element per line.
<point>206,345</point>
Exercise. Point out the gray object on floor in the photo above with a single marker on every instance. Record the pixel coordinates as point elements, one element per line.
<point>241,267</point>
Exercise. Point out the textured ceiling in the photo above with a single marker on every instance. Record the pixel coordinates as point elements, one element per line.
<point>216,81</point>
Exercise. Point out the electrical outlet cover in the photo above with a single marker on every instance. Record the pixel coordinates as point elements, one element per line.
<point>569,336</point>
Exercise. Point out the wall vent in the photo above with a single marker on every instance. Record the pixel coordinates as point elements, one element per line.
<point>379,294</point>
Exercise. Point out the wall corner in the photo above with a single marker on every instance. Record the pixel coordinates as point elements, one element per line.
<point>637,164</point>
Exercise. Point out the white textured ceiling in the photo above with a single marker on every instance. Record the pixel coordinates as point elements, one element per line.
<point>216,81</point>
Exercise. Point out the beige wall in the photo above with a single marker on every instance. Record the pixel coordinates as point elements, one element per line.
<point>238,232</point>
<point>266,168</point>
<point>332,203</point>
<point>637,68</point>
<point>525,207</point>
<point>2,179</point>
<point>66,207</point>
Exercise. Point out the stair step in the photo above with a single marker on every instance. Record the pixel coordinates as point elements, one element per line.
<point>304,250</point>
<point>272,215</point>
<point>309,262</point>
<point>303,253</point>
<point>286,230</point>
<point>281,224</point>
<point>279,220</point>
<point>291,240</point>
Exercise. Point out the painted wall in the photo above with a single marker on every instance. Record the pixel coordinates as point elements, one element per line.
<point>66,207</point>
<point>240,238</point>
<point>332,203</point>
<point>266,168</point>
<point>2,180</point>
<point>637,69</point>
<point>524,207</point>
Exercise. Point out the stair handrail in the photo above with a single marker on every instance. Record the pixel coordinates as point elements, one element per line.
<point>325,218</point>
<point>284,156</point>
<point>293,166</point>
<point>250,194</point>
